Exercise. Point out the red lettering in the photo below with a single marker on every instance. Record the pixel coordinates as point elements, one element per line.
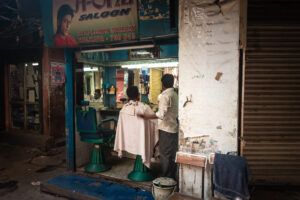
<point>83,33</point>
<point>132,28</point>
<point>78,2</point>
<point>117,4</point>
<point>57,69</point>
<point>99,6</point>
<point>108,3</point>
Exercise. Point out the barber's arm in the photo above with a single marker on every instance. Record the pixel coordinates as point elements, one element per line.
<point>163,105</point>
<point>146,116</point>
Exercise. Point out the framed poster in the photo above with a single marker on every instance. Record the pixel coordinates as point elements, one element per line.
<point>154,9</point>
<point>57,73</point>
<point>81,22</point>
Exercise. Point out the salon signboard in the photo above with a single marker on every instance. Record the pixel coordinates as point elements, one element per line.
<point>86,22</point>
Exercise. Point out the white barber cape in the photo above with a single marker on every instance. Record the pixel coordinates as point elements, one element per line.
<point>136,135</point>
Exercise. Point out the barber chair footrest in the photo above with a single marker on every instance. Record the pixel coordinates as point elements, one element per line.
<point>140,176</point>
<point>92,167</point>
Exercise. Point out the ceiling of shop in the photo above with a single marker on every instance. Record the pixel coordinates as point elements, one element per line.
<point>20,24</point>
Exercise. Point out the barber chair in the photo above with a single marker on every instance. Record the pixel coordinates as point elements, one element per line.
<point>86,123</point>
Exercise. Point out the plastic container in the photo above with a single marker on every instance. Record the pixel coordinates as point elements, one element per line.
<point>163,188</point>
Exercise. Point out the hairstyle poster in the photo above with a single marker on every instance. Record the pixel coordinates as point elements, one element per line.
<point>57,73</point>
<point>85,22</point>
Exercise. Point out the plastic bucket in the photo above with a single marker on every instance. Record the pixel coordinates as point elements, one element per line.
<point>163,188</point>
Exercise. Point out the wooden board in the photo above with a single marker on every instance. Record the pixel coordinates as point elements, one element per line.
<point>48,188</point>
<point>191,159</point>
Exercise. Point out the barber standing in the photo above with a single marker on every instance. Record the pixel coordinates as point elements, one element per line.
<point>168,127</point>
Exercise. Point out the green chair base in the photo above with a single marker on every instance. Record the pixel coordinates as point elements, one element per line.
<point>97,162</point>
<point>140,171</point>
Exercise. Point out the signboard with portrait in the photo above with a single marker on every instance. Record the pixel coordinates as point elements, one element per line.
<point>85,22</point>
<point>57,73</point>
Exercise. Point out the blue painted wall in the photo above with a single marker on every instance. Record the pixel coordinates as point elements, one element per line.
<point>109,77</point>
<point>97,57</point>
<point>69,112</point>
<point>154,28</point>
<point>169,51</point>
<point>121,55</point>
<point>46,10</point>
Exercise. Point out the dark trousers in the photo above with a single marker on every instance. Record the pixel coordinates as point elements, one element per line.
<point>168,145</point>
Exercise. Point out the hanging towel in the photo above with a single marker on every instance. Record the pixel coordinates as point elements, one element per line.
<point>136,135</point>
<point>231,176</point>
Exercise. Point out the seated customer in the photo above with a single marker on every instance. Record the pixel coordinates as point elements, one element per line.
<point>97,94</point>
<point>135,135</point>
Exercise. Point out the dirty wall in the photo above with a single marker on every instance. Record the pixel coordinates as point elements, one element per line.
<point>208,71</point>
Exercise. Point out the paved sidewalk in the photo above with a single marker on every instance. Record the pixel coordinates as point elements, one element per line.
<point>22,168</point>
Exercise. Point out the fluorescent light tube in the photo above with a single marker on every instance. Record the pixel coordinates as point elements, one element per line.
<point>119,48</point>
<point>151,65</point>
<point>88,69</point>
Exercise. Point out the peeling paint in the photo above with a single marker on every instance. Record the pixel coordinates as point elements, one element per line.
<point>188,100</point>
<point>218,76</point>
<point>233,132</point>
<point>209,38</point>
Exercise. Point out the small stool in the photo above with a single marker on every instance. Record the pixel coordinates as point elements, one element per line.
<point>194,160</point>
<point>140,172</point>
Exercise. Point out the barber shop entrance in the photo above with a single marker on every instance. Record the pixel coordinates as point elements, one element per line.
<point>113,47</point>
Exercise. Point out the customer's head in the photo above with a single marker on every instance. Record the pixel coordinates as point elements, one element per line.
<point>132,93</point>
<point>97,94</point>
<point>64,18</point>
<point>167,81</point>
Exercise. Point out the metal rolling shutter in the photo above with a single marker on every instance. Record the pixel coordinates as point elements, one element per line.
<point>271,124</point>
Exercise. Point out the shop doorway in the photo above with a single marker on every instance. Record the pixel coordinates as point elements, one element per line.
<point>25,96</point>
<point>141,67</point>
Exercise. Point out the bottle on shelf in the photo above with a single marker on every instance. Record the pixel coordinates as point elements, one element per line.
<point>112,90</point>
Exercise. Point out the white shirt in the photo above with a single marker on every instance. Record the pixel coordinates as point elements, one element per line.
<point>136,135</point>
<point>168,111</point>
